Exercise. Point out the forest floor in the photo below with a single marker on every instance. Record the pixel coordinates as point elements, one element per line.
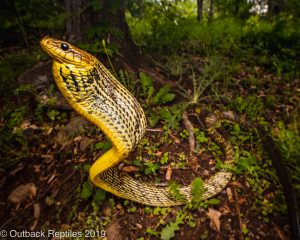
<point>50,189</point>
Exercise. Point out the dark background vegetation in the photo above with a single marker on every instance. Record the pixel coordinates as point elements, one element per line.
<point>174,56</point>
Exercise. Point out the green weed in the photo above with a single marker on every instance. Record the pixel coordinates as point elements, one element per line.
<point>168,231</point>
<point>104,145</point>
<point>161,97</point>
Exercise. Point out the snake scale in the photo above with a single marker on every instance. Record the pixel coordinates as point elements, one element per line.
<point>95,94</point>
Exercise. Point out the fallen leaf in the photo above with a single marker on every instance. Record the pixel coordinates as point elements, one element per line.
<point>77,139</point>
<point>242,200</point>
<point>36,168</point>
<point>49,201</point>
<point>158,153</point>
<point>17,169</point>
<point>169,173</point>
<point>84,143</point>
<point>229,194</point>
<point>139,226</point>
<point>36,213</point>
<point>214,216</point>
<point>280,233</point>
<point>19,194</point>
<point>176,140</point>
<point>130,169</point>
<point>106,210</point>
<point>51,178</point>
<point>37,210</point>
<point>49,131</point>
<point>113,231</point>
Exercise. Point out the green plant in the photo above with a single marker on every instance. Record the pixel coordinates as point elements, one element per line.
<point>197,193</point>
<point>184,134</point>
<point>129,81</point>
<point>161,97</point>
<point>104,145</point>
<point>288,141</point>
<point>165,158</point>
<point>11,66</point>
<point>151,167</point>
<point>25,88</point>
<point>152,232</point>
<point>171,116</point>
<point>251,106</point>
<point>203,80</point>
<point>174,188</point>
<point>168,231</point>
<point>87,190</point>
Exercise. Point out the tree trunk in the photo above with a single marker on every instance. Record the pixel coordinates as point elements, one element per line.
<point>275,7</point>
<point>77,22</point>
<point>83,16</point>
<point>199,10</point>
<point>107,19</point>
<point>211,10</point>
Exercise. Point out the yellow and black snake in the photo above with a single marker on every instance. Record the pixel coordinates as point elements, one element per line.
<point>96,95</point>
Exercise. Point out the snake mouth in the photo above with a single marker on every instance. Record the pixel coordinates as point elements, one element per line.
<point>64,52</point>
<point>50,46</point>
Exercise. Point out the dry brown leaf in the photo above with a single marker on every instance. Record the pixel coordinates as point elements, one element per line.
<point>36,168</point>
<point>236,183</point>
<point>50,131</point>
<point>229,194</point>
<point>19,194</point>
<point>193,162</point>
<point>158,153</point>
<point>48,156</point>
<point>225,210</point>
<point>130,169</point>
<point>77,139</point>
<point>214,216</point>
<point>51,178</point>
<point>280,233</point>
<point>36,210</point>
<point>169,173</point>
<point>189,127</point>
<point>49,201</point>
<point>242,200</point>
<point>113,231</point>
<point>139,226</point>
<point>107,211</point>
<point>84,143</point>
<point>19,167</point>
<point>176,140</point>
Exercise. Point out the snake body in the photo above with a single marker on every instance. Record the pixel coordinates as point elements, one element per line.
<point>96,95</point>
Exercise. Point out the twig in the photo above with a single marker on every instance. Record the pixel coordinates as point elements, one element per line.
<point>238,212</point>
<point>176,168</point>
<point>189,127</point>
<point>154,130</point>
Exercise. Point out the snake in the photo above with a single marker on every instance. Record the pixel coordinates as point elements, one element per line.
<point>95,93</point>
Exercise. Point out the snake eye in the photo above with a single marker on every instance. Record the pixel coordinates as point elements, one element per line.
<point>64,46</point>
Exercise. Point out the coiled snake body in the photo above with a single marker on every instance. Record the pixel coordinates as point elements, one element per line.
<point>95,94</point>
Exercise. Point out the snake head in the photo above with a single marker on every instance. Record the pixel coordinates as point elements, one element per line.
<point>65,53</point>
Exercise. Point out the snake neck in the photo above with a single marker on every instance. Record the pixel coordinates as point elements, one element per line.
<point>95,94</point>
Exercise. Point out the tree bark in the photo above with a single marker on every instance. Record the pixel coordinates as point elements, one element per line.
<point>275,7</point>
<point>211,10</point>
<point>77,23</point>
<point>199,10</point>
<point>82,17</point>
<point>110,19</point>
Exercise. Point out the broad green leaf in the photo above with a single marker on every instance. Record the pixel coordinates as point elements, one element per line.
<point>197,189</point>
<point>86,191</point>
